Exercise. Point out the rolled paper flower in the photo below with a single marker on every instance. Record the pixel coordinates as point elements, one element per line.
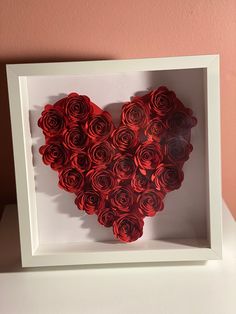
<point>167,177</point>
<point>135,114</point>
<point>101,153</point>
<point>80,160</point>
<point>71,180</point>
<point>99,127</point>
<point>75,138</point>
<point>124,166</point>
<point>148,156</point>
<point>106,217</point>
<point>77,107</point>
<point>180,122</point>
<point>155,130</point>
<point>162,101</point>
<point>90,201</point>
<point>122,198</point>
<point>102,180</point>
<point>139,182</point>
<point>52,121</point>
<point>128,227</point>
<point>124,138</point>
<point>150,202</point>
<point>177,149</point>
<point>55,155</point>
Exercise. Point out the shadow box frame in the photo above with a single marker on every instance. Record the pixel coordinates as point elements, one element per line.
<point>33,252</point>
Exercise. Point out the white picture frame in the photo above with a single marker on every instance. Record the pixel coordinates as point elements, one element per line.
<point>23,80</point>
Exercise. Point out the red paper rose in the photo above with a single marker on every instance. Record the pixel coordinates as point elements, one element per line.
<point>139,182</point>
<point>55,155</point>
<point>150,202</point>
<point>78,107</point>
<point>106,217</point>
<point>99,127</point>
<point>75,138</point>
<point>71,180</point>
<point>122,198</point>
<point>128,227</point>
<point>177,149</point>
<point>89,201</point>
<point>124,138</point>
<point>102,180</point>
<point>168,177</point>
<point>180,121</point>
<point>135,114</point>
<point>155,130</point>
<point>148,156</point>
<point>124,167</point>
<point>80,160</point>
<point>52,121</point>
<point>162,101</point>
<point>101,153</point>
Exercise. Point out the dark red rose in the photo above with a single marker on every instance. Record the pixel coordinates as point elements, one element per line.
<point>106,217</point>
<point>55,155</point>
<point>124,138</point>
<point>135,114</point>
<point>168,177</point>
<point>71,180</point>
<point>180,122</point>
<point>52,121</point>
<point>128,227</point>
<point>122,198</point>
<point>102,180</point>
<point>139,182</point>
<point>155,130</point>
<point>99,127</point>
<point>80,160</point>
<point>89,201</point>
<point>177,149</point>
<point>78,107</point>
<point>148,156</point>
<point>150,202</point>
<point>162,101</point>
<point>101,153</point>
<point>124,167</point>
<point>75,138</point>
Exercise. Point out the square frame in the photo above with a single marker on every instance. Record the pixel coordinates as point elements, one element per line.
<point>34,254</point>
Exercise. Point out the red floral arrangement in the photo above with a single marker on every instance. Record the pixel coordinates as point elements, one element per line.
<point>120,174</point>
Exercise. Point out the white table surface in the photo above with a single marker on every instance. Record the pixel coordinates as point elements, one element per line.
<point>191,288</point>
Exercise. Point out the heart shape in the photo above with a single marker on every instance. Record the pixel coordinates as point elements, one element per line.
<point>120,174</point>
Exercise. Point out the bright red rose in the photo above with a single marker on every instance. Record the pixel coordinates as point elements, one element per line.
<point>162,101</point>
<point>180,122</point>
<point>52,121</point>
<point>99,127</point>
<point>75,138</point>
<point>80,160</point>
<point>124,138</point>
<point>150,202</point>
<point>77,107</point>
<point>89,201</point>
<point>102,180</point>
<point>177,149</point>
<point>55,155</point>
<point>155,130</point>
<point>135,114</point>
<point>124,167</point>
<point>106,217</point>
<point>101,153</point>
<point>168,177</point>
<point>71,180</point>
<point>148,156</point>
<point>128,227</point>
<point>122,198</point>
<point>139,182</point>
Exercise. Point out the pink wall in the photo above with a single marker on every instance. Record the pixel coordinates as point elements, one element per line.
<point>54,30</point>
